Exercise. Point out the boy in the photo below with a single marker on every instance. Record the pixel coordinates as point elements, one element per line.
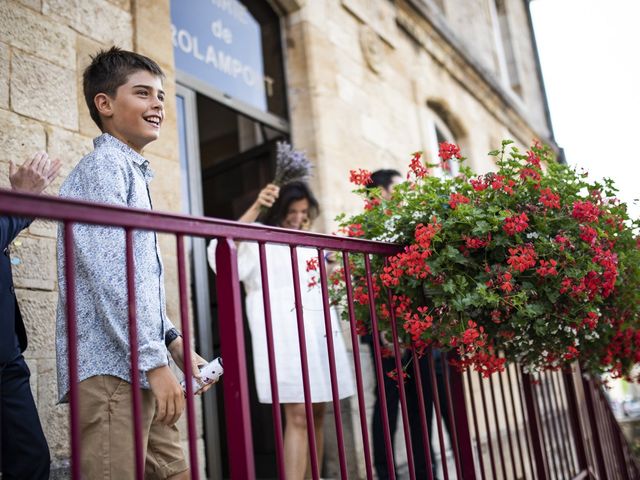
<point>123,91</point>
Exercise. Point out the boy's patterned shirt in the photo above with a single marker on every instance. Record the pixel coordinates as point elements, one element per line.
<point>115,174</point>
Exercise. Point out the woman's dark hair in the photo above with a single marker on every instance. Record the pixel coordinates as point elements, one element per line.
<point>289,193</point>
<point>383,178</point>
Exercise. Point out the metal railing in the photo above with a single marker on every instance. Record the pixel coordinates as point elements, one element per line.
<point>551,425</point>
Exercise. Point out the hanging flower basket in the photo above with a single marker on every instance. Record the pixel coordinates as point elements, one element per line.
<point>532,260</point>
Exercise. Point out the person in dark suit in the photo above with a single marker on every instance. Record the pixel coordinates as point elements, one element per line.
<point>24,453</point>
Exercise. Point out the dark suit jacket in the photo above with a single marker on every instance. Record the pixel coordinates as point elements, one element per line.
<point>10,319</point>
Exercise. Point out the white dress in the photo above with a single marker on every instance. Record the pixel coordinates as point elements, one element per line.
<point>285,327</point>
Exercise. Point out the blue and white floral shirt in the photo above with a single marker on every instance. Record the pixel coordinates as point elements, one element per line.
<point>115,174</point>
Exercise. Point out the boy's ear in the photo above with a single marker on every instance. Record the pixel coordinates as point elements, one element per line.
<point>102,102</point>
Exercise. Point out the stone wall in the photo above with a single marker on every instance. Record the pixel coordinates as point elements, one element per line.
<point>361,73</point>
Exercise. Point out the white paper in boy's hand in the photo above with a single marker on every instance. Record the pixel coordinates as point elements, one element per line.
<point>209,373</point>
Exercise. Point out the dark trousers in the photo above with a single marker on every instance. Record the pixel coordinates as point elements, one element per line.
<point>392,393</point>
<point>24,453</point>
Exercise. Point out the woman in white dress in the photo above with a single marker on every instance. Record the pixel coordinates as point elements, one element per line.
<point>292,206</point>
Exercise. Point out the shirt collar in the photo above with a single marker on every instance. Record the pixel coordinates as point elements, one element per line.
<point>109,140</point>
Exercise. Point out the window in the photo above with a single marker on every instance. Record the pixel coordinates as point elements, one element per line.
<point>441,126</point>
<point>505,52</point>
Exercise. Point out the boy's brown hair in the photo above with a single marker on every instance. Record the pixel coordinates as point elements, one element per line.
<point>110,69</point>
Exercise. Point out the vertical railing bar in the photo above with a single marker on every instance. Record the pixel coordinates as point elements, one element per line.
<point>486,424</point>
<point>572,408</point>
<point>315,473</point>
<point>236,387</point>
<point>560,419</point>
<point>379,373</point>
<point>524,414</point>
<point>546,429</point>
<point>455,444</point>
<point>559,403</point>
<point>459,422</point>
<point>475,424</point>
<point>506,420</point>
<point>72,349</point>
<point>426,434</point>
<point>623,446</point>
<point>617,438</point>
<point>554,434</point>
<point>186,351</point>
<point>535,424</point>
<point>400,380</point>
<point>271,357</point>
<point>358,367</point>
<point>337,414</point>
<point>515,417</point>
<point>497,423</point>
<point>606,427</point>
<point>436,404</point>
<point>136,395</point>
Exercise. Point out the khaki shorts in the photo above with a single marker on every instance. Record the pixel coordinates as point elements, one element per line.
<point>106,432</point>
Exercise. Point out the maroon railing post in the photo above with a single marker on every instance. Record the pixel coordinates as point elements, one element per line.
<point>72,350</point>
<point>426,435</point>
<point>271,355</point>
<point>337,414</point>
<point>506,420</point>
<point>562,425</point>
<point>556,459</point>
<point>497,424</point>
<point>515,419</point>
<point>595,433</point>
<point>527,436</point>
<point>306,386</point>
<point>236,389</point>
<point>186,352</point>
<point>476,429</point>
<point>358,367</point>
<point>453,433</point>
<point>486,426</point>
<point>375,333</point>
<point>617,438</point>
<point>574,419</point>
<point>534,427</point>
<point>136,395</point>
<point>400,379</point>
<point>438,409</point>
<point>460,422</point>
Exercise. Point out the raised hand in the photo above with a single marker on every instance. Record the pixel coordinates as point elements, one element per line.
<point>34,175</point>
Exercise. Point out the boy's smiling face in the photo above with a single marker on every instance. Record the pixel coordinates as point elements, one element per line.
<point>135,114</point>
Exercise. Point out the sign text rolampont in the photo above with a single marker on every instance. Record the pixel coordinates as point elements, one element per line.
<point>219,42</point>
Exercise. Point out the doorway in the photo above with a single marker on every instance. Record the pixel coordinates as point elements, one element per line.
<point>228,126</point>
<point>226,158</point>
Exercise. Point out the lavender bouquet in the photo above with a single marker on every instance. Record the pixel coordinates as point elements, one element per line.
<point>291,165</point>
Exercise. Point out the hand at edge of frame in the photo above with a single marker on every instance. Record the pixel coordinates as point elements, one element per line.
<point>34,175</point>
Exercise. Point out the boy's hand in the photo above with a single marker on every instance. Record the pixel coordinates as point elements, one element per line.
<point>177,353</point>
<point>169,396</point>
<point>34,175</point>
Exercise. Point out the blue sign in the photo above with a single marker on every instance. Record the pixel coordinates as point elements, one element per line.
<point>219,42</point>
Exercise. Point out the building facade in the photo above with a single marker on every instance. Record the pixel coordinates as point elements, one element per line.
<point>354,83</point>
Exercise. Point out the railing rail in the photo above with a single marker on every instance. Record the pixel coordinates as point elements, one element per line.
<point>549,425</point>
